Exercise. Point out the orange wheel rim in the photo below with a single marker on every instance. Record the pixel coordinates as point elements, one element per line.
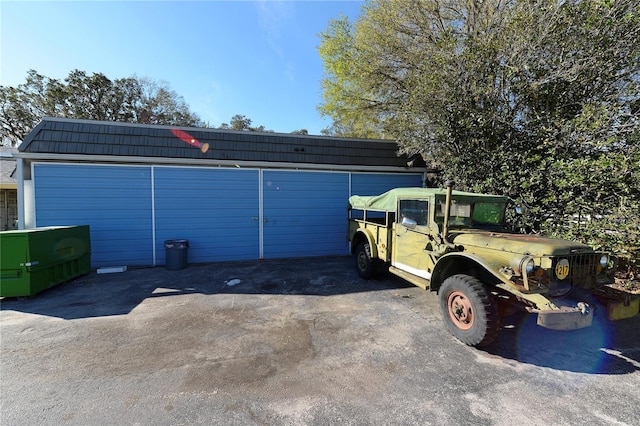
<point>460,310</point>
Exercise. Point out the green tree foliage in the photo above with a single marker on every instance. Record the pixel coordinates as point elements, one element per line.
<point>536,99</point>
<point>133,100</point>
<point>243,123</point>
<point>237,122</point>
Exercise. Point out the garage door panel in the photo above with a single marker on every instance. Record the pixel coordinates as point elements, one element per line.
<point>115,201</point>
<point>304,213</point>
<point>212,208</point>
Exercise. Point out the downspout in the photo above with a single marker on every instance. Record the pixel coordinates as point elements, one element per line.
<point>5,210</point>
<point>20,188</point>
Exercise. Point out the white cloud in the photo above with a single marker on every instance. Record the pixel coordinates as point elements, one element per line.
<point>272,17</point>
<point>289,71</point>
<point>207,104</point>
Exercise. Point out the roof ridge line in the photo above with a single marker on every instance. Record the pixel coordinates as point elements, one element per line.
<point>199,129</point>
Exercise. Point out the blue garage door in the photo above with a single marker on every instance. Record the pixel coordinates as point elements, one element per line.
<point>378,183</point>
<point>304,213</point>
<point>217,210</point>
<point>114,200</point>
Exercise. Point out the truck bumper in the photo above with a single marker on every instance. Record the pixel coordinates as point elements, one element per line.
<point>566,318</point>
<point>619,304</point>
<point>623,309</point>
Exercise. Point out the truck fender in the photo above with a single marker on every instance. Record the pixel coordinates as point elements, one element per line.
<point>464,263</point>
<point>363,235</point>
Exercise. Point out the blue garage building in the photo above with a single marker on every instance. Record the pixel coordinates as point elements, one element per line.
<point>249,196</point>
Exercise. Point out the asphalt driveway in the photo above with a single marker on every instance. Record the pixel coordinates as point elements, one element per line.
<point>301,341</point>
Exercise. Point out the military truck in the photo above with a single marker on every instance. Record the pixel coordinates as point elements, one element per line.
<point>458,244</point>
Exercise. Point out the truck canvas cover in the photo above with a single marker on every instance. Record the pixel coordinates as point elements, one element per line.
<point>389,200</point>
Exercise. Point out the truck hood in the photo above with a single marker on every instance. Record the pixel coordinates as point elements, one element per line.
<point>533,245</point>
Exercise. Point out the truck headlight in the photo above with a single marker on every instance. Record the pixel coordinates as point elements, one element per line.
<point>522,265</point>
<point>604,260</point>
<point>528,265</point>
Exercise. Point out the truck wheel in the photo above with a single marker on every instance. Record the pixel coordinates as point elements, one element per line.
<point>469,311</point>
<point>364,263</point>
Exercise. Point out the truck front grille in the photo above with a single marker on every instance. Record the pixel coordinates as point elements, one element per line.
<point>580,265</point>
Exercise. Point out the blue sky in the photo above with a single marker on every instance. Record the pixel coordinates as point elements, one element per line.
<point>255,58</point>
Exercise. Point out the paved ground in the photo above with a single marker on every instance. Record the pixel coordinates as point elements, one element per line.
<point>294,342</point>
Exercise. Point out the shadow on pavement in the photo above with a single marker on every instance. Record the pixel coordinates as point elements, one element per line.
<point>97,295</point>
<point>607,347</point>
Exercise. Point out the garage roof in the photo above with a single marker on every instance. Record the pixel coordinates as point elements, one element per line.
<point>63,136</point>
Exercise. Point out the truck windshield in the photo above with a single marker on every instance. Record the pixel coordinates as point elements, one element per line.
<point>488,213</point>
<point>466,213</point>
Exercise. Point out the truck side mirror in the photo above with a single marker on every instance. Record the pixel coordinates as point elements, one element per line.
<point>408,223</point>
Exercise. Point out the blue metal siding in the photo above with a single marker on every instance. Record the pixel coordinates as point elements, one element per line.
<point>377,183</point>
<point>115,201</point>
<point>305,213</point>
<point>215,209</point>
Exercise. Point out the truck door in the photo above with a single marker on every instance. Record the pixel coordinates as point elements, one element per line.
<point>412,245</point>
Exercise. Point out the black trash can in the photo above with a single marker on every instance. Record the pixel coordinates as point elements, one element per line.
<point>176,251</point>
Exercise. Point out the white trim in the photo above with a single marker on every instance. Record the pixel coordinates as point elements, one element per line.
<point>75,163</point>
<point>124,160</point>
<point>415,271</point>
<point>348,243</point>
<point>30,217</point>
<point>260,215</point>
<point>350,194</point>
<point>186,166</point>
<point>413,170</point>
<point>153,216</point>
<point>20,188</point>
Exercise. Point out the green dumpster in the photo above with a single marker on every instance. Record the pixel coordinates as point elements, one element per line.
<point>33,260</point>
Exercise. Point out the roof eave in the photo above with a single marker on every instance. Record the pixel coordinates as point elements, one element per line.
<point>209,162</point>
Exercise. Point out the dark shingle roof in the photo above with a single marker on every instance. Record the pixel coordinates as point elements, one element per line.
<point>99,138</point>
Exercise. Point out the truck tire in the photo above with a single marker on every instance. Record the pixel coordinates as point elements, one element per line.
<point>364,263</point>
<point>469,311</point>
